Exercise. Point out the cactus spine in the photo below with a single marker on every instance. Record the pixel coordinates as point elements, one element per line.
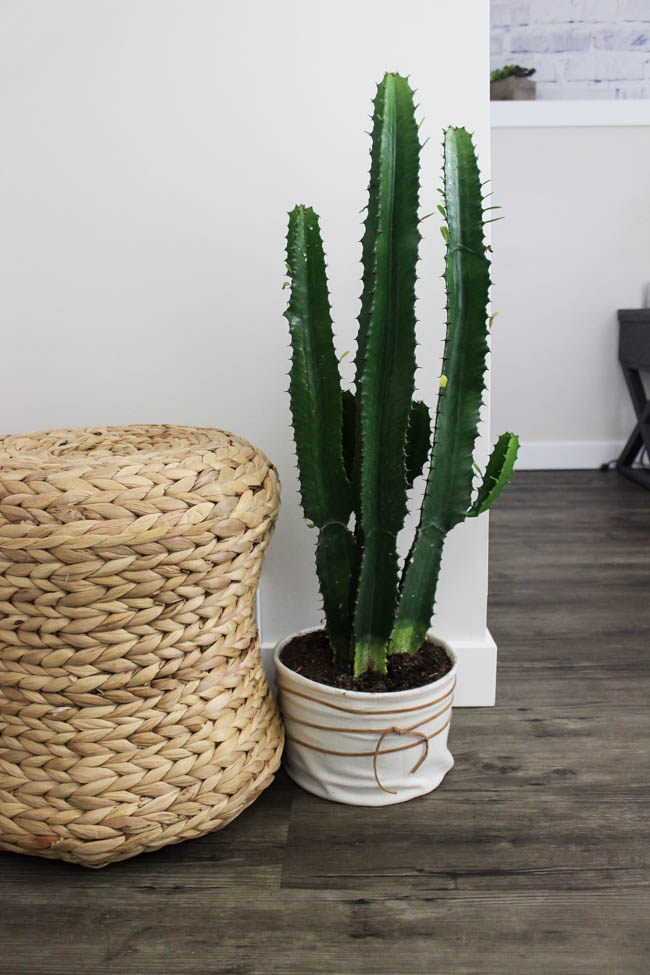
<point>360,451</point>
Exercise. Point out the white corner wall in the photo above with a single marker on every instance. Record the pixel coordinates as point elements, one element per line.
<point>573,248</point>
<point>151,151</point>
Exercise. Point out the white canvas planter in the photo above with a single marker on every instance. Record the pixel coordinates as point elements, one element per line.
<point>361,748</point>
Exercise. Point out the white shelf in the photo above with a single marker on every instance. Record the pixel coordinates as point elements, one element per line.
<point>543,114</point>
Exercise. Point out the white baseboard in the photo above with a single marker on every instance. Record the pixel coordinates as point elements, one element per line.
<point>567,455</point>
<point>477,671</point>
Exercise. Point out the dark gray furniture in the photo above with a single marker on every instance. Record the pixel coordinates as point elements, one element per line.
<point>634,355</point>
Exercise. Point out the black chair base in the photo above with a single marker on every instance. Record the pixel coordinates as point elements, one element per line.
<point>634,355</point>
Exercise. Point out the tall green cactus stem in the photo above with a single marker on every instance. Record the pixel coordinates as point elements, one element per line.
<point>449,485</point>
<point>316,408</point>
<point>385,362</point>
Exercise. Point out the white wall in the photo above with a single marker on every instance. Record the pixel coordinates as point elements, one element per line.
<point>592,49</point>
<point>151,151</point>
<point>573,248</point>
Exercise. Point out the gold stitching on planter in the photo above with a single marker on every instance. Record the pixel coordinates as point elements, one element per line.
<point>364,731</point>
<point>385,751</point>
<point>402,731</point>
<point>423,739</point>
<point>339,707</point>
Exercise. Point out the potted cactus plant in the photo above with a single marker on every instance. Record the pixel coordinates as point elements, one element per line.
<point>367,700</point>
<point>512,83</point>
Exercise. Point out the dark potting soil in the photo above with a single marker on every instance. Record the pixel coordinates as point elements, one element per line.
<point>311,656</point>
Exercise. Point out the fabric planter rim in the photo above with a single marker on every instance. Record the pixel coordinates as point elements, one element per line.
<point>363,696</point>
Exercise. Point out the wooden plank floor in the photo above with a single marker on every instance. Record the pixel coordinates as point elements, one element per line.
<point>530,858</point>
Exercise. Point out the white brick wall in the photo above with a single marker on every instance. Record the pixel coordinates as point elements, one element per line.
<point>579,48</point>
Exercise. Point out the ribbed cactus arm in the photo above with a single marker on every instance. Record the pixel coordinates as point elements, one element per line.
<point>316,408</point>
<point>418,442</point>
<point>337,568</point>
<point>497,473</point>
<point>315,388</point>
<point>386,362</point>
<point>449,484</point>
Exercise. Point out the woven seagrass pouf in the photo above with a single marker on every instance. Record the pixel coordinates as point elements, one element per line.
<point>134,711</point>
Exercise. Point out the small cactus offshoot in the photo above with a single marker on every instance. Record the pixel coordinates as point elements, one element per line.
<point>360,450</point>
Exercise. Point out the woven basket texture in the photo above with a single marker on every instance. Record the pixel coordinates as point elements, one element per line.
<point>134,711</point>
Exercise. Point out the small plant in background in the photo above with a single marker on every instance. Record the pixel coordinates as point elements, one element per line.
<point>360,450</point>
<point>511,71</point>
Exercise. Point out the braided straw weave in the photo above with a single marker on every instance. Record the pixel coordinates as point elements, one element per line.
<point>134,711</point>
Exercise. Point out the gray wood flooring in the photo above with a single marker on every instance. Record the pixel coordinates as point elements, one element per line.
<point>530,858</point>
